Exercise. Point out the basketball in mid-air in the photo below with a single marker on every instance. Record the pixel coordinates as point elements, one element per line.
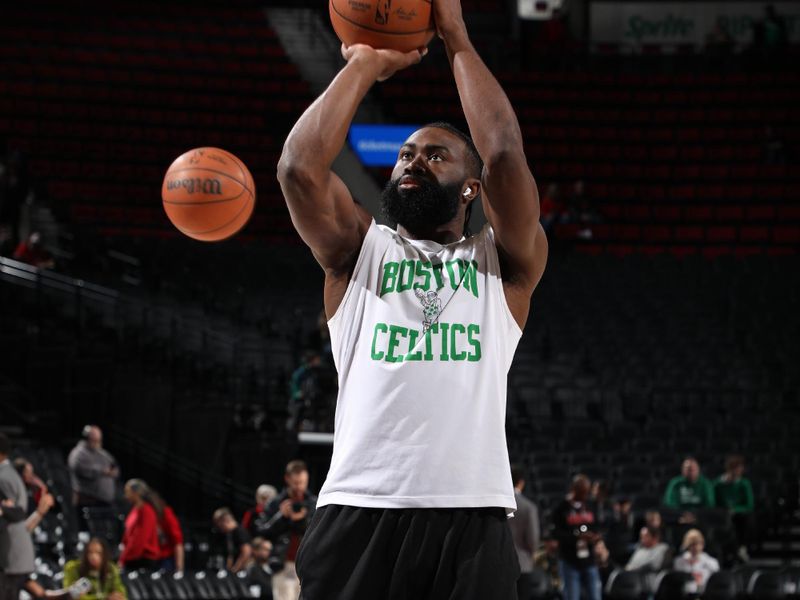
<point>208,194</point>
<point>402,25</point>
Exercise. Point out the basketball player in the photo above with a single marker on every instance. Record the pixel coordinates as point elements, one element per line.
<point>424,323</point>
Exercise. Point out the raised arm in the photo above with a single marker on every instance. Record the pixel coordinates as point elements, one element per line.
<point>321,207</point>
<point>508,190</point>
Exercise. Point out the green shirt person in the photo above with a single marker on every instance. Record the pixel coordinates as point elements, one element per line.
<point>96,566</point>
<point>733,491</point>
<point>690,490</point>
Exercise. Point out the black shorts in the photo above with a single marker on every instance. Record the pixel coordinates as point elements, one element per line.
<point>351,553</point>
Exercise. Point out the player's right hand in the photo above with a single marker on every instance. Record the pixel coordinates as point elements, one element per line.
<point>388,62</point>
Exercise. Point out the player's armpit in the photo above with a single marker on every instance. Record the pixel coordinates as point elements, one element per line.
<point>325,215</point>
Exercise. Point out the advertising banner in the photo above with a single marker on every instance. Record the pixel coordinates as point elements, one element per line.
<point>378,145</point>
<point>684,22</point>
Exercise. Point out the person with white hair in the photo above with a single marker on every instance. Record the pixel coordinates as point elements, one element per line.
<point>264,495</point>
<point>693,560</point>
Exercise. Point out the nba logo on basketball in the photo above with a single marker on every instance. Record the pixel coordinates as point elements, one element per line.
<point>382,12</point>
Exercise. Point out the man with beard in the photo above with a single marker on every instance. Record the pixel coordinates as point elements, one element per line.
<point>424,322</point>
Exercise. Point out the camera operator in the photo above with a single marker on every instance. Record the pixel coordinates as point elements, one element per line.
<point>284,521</point>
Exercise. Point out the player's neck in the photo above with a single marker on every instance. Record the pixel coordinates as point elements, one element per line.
<point>444,234</point>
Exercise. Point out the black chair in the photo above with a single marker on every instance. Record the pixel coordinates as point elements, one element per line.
<point>136,589</point>
<point>675,585</point>
<point>722,585</point>
<point>766,585</point>
<point>625,585</point>
<point>791,582</point>
<point>541,587</point>
<point>744,574</point>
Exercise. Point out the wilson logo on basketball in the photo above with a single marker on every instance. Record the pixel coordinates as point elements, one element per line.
<point>206,186</point>
<point>382,12</point>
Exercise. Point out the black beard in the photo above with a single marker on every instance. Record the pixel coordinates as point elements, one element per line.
<point>422,209</point>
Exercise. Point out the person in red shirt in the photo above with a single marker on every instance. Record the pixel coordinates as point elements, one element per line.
<point>170,538</point>
<point>140,547</point>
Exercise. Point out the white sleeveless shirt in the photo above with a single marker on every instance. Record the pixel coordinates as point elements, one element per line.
<point>422,341</point>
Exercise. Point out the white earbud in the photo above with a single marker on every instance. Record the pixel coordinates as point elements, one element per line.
<point>467,191</point>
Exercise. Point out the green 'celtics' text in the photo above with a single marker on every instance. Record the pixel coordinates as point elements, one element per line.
<point>442,342</point>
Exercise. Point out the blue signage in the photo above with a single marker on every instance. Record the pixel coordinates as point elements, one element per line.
<point>378,145</point>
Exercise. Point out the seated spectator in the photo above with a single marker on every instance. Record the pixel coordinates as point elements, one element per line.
<point>140,545</point>
<point>546,558</point>
<point>36,487</point>
<point>32,251</point>
<point>693,560</point>
<point>734,492</point>
<point>688,491</point>
<point>604,561</point>
<point>263,567</point>
<point>264,495</point>
<point>233,542</point>
<point>95,566</point>
<point>650,556</point>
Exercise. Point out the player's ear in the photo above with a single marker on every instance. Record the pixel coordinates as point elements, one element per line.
<point>470,190</point>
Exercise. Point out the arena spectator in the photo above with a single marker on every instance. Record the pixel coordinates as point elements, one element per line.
<point>16,544</point>
<point>170,534</point>
<point>263,568</point>
<point>604,561</point>
<point>35,486</point>
<point>93,471</point>
<point>304,390</point>
<point>619,530</point>
<point>264,494</point>
<point>719,41</point>
<point>96,566</point>
<point>233,542</point>
<point>547,558</point>
<point>650,556</point>
<point>770,33</point>
<point>688,491</point>
<point>734,492</point>
<point>33,252</point>
<point>693,560</point>
<point>602,506</point>
<point>287,518</point>
<point>525,531</point>
<point>9,513</point>
<point>551,208</point>
<point>140,544</point>
<point>575,523</point>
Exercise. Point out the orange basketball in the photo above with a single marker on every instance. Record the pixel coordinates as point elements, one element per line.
<point>402,25</point>
<point>208,194</point>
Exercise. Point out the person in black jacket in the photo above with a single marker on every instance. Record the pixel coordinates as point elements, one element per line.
<point>284,522</point>
<point>575,529</point>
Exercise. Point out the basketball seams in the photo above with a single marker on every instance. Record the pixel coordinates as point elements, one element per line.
<point>191,232</point>
<point>373,29</point>
<point>245,172</point>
